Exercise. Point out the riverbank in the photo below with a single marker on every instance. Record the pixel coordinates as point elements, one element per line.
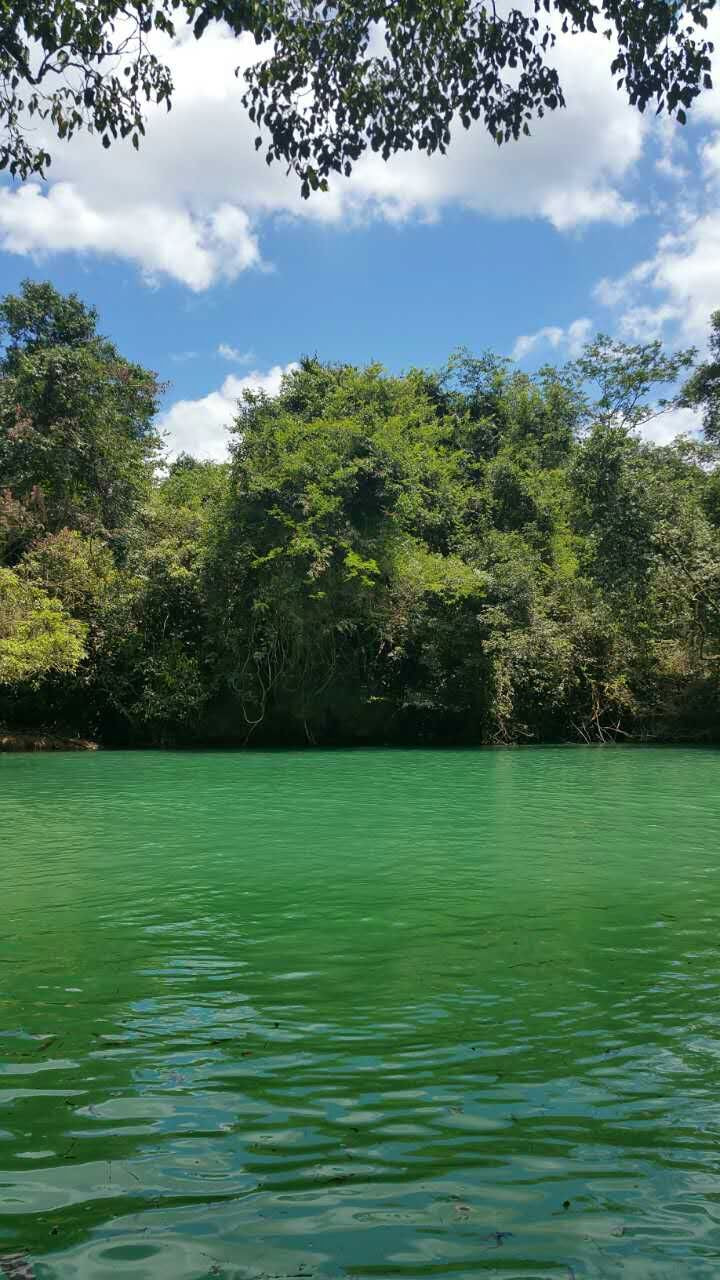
<point>35,740</point>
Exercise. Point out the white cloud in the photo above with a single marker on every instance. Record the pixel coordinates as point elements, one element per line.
<point>573,338</point>
<point>567,172</point>
<point>673,149</point>
<point>677,288</point>
<point>611,291</point>
<point>686,270</point>
<point>200,427</point>
<point>707,106</point>
<point>672,292</point>
<point>674,422</point>
<point>646,323</point>
<point>195,249</point>
<point>189,205</point>
<point>234,355</point>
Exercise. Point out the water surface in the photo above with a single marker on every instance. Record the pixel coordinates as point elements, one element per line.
<point>360,1014</point>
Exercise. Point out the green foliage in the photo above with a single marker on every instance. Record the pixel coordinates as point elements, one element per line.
<point>326,92</point>
<point>328,479</point>
<point>76,422</point>
<point>325,95</point>
<point>36,634</point>
<point>702,390</point>
<point>473,555</point>
<point>461,556</point>
<point>78,571</point>
<point>41,317</point>
<point>59,63</point>
<point>625,376</point>
<point>190,486</point>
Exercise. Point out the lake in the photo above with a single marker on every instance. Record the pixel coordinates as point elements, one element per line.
<point>368,1014</point>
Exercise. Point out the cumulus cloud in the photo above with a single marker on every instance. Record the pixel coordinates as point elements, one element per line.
<point>195,249</point>
<point>568,172</point>
<point>200,427</point>
<point>672,292</point>
<point>676,289</point>
<point>573,338</point>
<point>191,204</point>
<point>673,422</point>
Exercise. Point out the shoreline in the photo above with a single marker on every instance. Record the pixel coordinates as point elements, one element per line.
<point>37,740</point>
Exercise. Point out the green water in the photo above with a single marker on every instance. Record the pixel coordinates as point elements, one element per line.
<point>372,1014</point>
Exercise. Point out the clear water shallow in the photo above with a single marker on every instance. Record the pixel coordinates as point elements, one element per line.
<point>371,1014</point>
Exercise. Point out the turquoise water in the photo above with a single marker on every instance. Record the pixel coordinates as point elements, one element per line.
<point>360,1014</point>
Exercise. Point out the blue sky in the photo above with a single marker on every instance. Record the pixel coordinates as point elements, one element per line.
<point>206,266</point>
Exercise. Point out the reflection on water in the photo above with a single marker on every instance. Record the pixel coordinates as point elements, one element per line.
<point>360,1014</point>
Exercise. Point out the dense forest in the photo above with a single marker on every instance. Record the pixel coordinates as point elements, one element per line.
<point>468,555</point>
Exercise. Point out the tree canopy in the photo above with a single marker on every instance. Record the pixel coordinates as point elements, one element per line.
<point>702,390</point>
<point>335,78</point>
<point>37,636</point>
<point>76,420</point>
<point>467,554</point>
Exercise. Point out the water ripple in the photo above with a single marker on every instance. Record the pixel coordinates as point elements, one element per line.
<point>360,1014</point>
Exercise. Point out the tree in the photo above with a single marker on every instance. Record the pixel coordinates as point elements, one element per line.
<point>341,486</point>
<point>155,667</point>
<point>623,376</point>
<point>37,636</point>
<point>702,390</point>
<point>77,439</point>
<point>471,555</point>
<point>616,509</point>
<point>339,76</point>
<point>40,317</point>
<point>77,571</point>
